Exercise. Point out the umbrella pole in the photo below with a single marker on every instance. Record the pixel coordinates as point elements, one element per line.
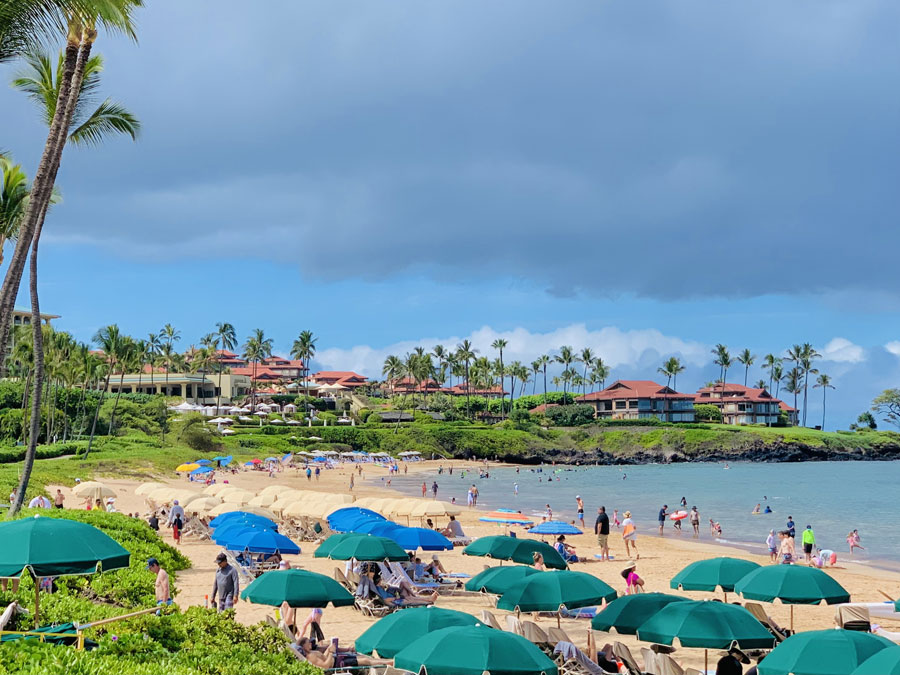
<point>557,619</point>
<point>705,660</point>
<point>726,596</point>
<point>37,601</point>
<point>792,618</point>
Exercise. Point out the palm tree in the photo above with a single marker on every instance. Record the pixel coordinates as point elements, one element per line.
<point>535,369</point>
<point>13,198</point>
<point>81,33</point>
<point>465,353</point>
<point>566,357</point>
<point>777,373</point>
<point>304,348</point>
<point>257,348</point>
<point>587,358</point>
<point>723,360</point>
<point>544,360</point>
<point>440,353</point>
<point>499,344</point>
<point>769,361</point>
<point>746,359</point>
<point>125,357</point>
<point>515,373</point>
<point>151,353</point>
<point>392,370</point>
<point>109,340</point>
<point>760,384</point>
<point>807,355</point>
<point>228,341</point>
<point>793,382</point>
<point>600,372</point>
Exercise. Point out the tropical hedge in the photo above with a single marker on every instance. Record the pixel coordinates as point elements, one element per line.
<point>195,642</point>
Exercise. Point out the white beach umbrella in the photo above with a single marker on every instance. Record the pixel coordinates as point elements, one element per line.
<point>274,489</point>
<point>204,504</point>
<point>429,508</point>
<point>228,432</point>
<point>276,421</point>
<point>237,496</point>
<point>146,488</point>
<point>264,501</point>
<point>215,488</point>
<point>93,489</point>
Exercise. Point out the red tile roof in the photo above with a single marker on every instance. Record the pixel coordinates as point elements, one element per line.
<point>280,361</point>
<point>460,389</point>
<point>733,393</point>
<point>543,408</point>
<point>262,373</point>
<point>337,375</point>
<point>634,389</point>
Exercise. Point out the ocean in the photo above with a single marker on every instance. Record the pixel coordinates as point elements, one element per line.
<point>833,497</point>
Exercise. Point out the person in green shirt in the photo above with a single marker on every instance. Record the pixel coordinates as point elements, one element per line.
<point>809,543</point>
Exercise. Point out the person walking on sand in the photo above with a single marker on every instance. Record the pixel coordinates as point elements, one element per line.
<point>787,548</point>
<point>226,585</point>
<point>853,541</point>
<point>580,505</point>
<point>434,490</point>
<point>58,499</point>
<point>616,520</point>
<point>695,521</point>
<point>424,489</point>
<point>663,512</point>
<point>474,495</point>
<point>772,545</point>
<point>809,543</point>
<point>629,535</point>
<point>351,482</point>
<point>309,474</point>
<point>601,529</point>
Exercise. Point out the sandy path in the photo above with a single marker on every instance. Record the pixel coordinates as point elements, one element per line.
<point>660,559</point>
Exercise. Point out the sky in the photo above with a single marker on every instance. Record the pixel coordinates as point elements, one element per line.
<point>646,179</point>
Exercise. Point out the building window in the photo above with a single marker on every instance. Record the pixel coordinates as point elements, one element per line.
<point>621,405</point>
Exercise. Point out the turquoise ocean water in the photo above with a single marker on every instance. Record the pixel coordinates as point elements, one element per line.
<point>833,497</point>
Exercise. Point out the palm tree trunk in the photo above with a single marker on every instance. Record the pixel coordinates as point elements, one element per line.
<point>112,418</point>
<point>79,410</point>
<point>38,347</point>
<point>97,414</point>
<point>805,385</point>
<point>66,415</point>
<point>219,395</point>
<point>824,389</point>
<point>545,388</point>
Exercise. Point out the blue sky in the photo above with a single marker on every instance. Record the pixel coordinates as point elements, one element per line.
<point>643,178</point>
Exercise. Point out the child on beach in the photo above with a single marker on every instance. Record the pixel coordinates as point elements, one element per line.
<point>616,518</point>
<point>853,541</point>
<point>772,544</point>
<point>176,528</point>
<point>633,583</point>
<point>629,535</point>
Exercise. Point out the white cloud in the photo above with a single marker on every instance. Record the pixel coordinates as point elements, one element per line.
<point>618,348</point>
<point>842,350</point>
<point>893,347</point>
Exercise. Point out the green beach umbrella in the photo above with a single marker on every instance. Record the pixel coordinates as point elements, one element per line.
<point>299,588</point>
<point>548,591</point>
<point>705,625</point>
<point>823,652</point>
<point>793,585</point>
<point>515,549</point>
<point>884,662</point>
<point>709,575</point>
<point>392,633</point>
<point>472,651</point>
<point>326,546</point>
<point>56,547</point>
<point>499,579</point>
<point>626,614</point>
<point>368,547</point>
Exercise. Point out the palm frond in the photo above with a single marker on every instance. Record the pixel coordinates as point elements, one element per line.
<point>39,82</point>
<point>109,118</point>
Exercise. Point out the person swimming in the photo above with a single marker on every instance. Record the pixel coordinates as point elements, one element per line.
<point>757,509</point>
<point>768,509</point>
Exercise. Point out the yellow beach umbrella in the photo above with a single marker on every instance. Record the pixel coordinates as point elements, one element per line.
<point>274,489</point>
<point>434,508</point>
<point>187,467</point>
<point>146,488</point>
<point>262,500</point>
<point>93,489</point>
<point>204,504</point>
<point>237,496</point>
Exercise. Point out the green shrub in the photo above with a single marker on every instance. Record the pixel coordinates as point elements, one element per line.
<point>707,412</point>
<point>570,415</point>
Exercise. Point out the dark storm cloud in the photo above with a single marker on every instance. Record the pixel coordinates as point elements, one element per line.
<point>668,149</point>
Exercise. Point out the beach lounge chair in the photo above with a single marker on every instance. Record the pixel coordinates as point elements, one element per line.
<point>856,618</point>
<point>536,635</point>
<point>244,571</point>
<point>197,529</point>
<point>488,619</point>
<point>513,625</point>
<point>557,635</point>
<point>623,654</point>
<point>759,613</point>
<point>663,664</point>
<point>573,661</point>
<point>342,580</point>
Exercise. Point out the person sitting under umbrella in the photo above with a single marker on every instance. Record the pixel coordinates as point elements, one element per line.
<point>453,529</point>
<point>435,568</point>
<point>566,551</point>
<point>730,664</point>
<point>327,656</point>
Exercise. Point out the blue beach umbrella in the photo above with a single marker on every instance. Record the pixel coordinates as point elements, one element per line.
<point>203,462</point>
<point>260,541</point>
<point>412,538</point>
<point>271,459</point>
<point>201,469</point>
<point>379,528</point>
<point>233,529</point>
<point>351,517</point>
<point>554,527</point>
<point>259,521</point>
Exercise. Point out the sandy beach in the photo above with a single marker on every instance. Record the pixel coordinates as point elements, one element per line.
<point>660,559</point>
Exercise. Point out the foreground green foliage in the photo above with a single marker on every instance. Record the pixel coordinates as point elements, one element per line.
<point>195,642</point>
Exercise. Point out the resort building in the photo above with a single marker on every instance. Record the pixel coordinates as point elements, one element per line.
<point>640,399</point>
<point>345,378</point>
<point>490,392</point>
<point>229,359</point>
<point>408,385</point>
<point>740,404</point>
<point>193,387</point>
<point>288,369</point>
<point>22,317</point>
<point>791,412</point>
